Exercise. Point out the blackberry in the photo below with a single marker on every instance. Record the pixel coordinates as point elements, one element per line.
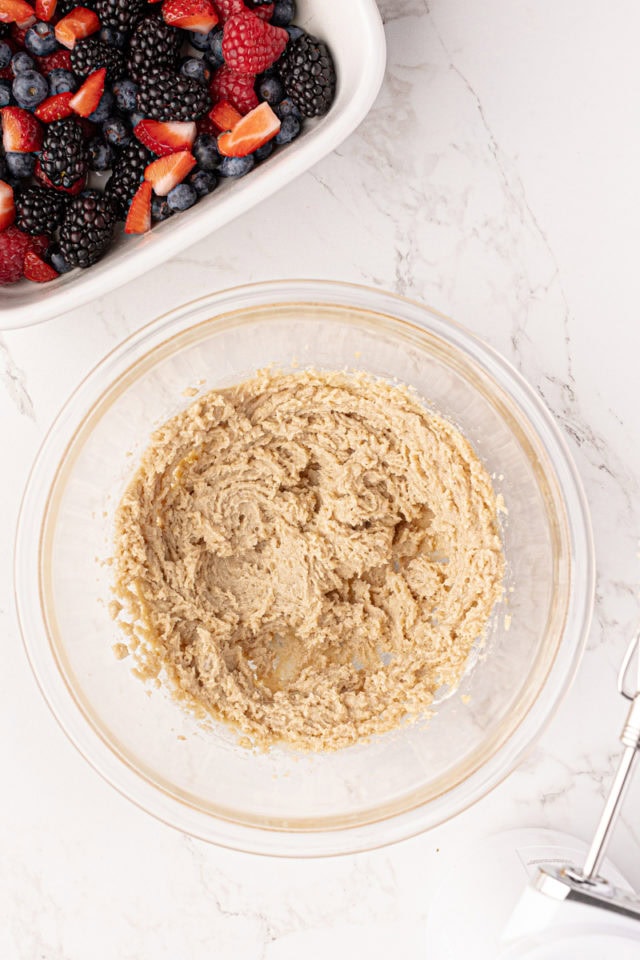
<point>154,48</point>
<point>39,210</point>
<point>127,175</point>
<point>308,75</point>
<point>165,97</point>
<point>91,54</point>
<point>87,228</point>
<point>121,14</point>
<point>64,153</point>
<point>63,7</point>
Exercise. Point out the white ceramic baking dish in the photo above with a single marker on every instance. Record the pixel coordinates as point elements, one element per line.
<point>355,35</point>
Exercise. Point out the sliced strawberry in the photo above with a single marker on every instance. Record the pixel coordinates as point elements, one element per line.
<point>253,131</point>
<point>86,99</point>
<point>197,15</point>
<point>36,269</point>
<point>45,9</point>
<point>77,25</point>
<point>55,108</point>
<point>73,190</point>
<point>139,216</point>
<point>60,60</point>
<point>16,11</point>
<point>7,206</point>
<point>237,88</point>
<point>21,132</point>
<point>165,173</point>
<point>224,116</point>
<point>164,138</point>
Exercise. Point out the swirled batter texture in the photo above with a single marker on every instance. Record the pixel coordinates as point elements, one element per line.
<point>308,556</point>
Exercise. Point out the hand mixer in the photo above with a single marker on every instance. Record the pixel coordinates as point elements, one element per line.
<point>519,894</point>
<point>586,885</point>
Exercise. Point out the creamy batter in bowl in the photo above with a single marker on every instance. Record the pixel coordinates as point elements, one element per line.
<point>197,776</point>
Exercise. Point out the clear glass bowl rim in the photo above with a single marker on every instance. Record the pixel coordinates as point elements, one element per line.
<point>321,842</point>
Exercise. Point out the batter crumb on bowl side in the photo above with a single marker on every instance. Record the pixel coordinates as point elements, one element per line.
<point>308,557</point>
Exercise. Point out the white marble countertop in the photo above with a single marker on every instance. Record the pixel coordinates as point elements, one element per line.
<point>497,179</point>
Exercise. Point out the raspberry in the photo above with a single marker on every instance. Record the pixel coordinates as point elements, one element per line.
<point>250,45</point>
<point>13,246</point>
<point>235,87</point>
<point>60,60</point>
<point>229,8</point>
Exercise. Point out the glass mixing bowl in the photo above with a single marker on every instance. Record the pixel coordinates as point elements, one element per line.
<point>197,777</point>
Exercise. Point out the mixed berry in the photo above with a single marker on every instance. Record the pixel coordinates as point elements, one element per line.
<point>132,110</point>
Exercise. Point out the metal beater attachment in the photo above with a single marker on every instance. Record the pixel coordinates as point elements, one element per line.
<point>586,885</point>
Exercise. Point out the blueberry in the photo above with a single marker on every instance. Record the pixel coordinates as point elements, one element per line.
<point>113,37</point>
<point>116,132</point>
<point>21,62</point>
<point>182,197</point>
<point>104,110</point>
<point>160,209</point>
<point>289,130</point>
<point>202,182</point>
<point>40,39</point>
<point>295,32</point>
<point>5,55</point>
<point>5,93</point>
<point>214,51</point>
<point>205,150</point>
<point>58,262</point>
<point>20,165</point>
<point>125,92</point>
<point>236,166</point>
<point>61,81</point>
<point>271,89</point>
<point>287,108</point>
<point>100,154</point>
<point>199,40</point>
<point>30,89</point>
<point>196,69</point>
<point>135,118</point>
<point>284,12</point>
<point>264,151</point>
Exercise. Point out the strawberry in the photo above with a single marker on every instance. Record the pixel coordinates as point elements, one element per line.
<point>264,11</point>
<point>86,99</point>
<point>196,15</point>
<point>224,116</point>
<point>77,25</point>
<point>21,132</point>
<point>250,45</point>
<point>36,269</point>
<point>55,108</point>
<point>252,131</point>
<point>61,60</point>
<point>45,9</point>
<point>164,138</point>
<point>237,88</point>
<point>139,215</point>
<point>167,172</point>
<point>229,8</point>
<point>16,11</point>
<point>42,178</point>
<point>7,206</point>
